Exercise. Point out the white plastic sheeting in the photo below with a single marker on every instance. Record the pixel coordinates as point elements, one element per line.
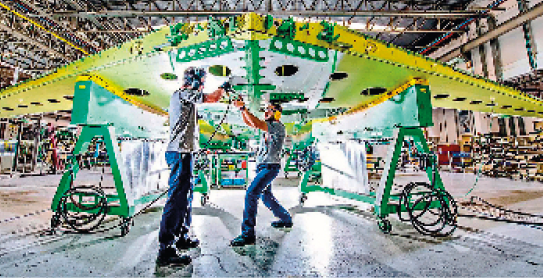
<point>344,166</point>
<point>145,167</point>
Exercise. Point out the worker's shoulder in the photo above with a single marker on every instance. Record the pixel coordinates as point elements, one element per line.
<point>276,126</point>
<point>176,94</point>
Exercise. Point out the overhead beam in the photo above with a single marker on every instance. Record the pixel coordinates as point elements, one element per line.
<point>42,13</point>
<point>374,13</point>
<point>401,31</point>
<point>504,28</point>
<point>32,41</point>
<point>111,31</point>
<point>4,6</point>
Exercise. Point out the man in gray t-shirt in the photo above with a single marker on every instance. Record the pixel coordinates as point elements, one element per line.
<point>269,163</point>
<point>184,137</point>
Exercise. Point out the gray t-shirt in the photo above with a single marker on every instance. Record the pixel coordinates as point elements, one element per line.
<point>184,132</point>
<point>271,144</point>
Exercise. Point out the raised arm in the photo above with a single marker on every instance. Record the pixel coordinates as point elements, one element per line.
<point>215,96</point>
<point>250,119</point>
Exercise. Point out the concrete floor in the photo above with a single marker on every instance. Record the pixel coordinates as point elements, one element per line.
<point>331,237</point>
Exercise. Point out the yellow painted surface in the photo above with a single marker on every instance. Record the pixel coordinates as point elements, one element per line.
<point>368,63</point>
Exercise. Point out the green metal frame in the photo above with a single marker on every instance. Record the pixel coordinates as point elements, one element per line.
<point>408,112</point>
<point>95,109</point>
<point>382,198</point>
<point>289,165</point>
<point>107,132</point>
<point>294,48</point>
<point>202,186</point>
<point>254,88</point>
<point>207,49</point>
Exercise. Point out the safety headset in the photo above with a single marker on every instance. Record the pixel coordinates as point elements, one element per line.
<point>277,115</point>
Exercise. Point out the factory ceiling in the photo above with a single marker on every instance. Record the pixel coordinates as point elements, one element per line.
<point>39,35</point>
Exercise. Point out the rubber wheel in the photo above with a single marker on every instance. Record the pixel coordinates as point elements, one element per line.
<point>384,225</point>
<point>204,199</point>
<point>303,198</point>
<point>125,227</point>
<point>55,221</point>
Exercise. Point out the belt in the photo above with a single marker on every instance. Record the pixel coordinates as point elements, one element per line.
<point>269,165</point>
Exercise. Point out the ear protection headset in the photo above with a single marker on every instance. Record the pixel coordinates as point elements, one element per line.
<point>277,114</point>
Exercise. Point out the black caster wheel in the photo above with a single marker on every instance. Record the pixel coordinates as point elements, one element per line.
<point>204,199</point>
<point>303,198</point>
<point>55,221</point>
<point>384,226</point>
<point>286,176</point>
<point>125,226</point>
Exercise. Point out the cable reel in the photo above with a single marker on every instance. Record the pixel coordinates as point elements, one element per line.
<point>83,208</point>
<point>431,210</point>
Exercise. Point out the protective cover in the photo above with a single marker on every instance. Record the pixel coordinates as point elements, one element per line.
<point>146,167</point>
<point>344,166</point>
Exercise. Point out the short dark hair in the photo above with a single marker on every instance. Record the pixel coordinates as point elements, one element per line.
<point>277,106</point>
<point>192,77</point>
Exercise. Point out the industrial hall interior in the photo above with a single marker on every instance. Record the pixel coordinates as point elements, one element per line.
<point>271,138</point>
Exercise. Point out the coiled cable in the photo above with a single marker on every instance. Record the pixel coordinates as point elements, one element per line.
<point>432,211</point>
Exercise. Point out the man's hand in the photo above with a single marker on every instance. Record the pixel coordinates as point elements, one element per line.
<point>226,86</point>
<point>239,103</point>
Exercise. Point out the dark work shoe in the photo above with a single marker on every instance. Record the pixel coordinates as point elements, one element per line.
<point>281,224</point>
<point>184,243</point>
<point>243,240</point>
<point>169,257</point>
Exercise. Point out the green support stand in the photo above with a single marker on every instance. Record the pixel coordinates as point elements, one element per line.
<point>382,205</point>
<point>406,114</point>
<point>381,200</point>
<point>202,185</point>
<point>290,165</point>
<point>118,204</point>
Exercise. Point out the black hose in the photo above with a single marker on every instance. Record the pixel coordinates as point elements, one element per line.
<point>432,211</point>
<point>503,214</point>
<point>89,215</point>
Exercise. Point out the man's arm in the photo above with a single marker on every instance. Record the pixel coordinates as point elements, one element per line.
<point>253,121</point>
<point>215,96</point>
<point>250,119</point>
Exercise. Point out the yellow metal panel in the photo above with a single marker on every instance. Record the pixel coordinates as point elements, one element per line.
<point>118,91</point>
<point>378,99</point>
<point>368,62</point>
<point>371,63</point>
<point>61,81</point>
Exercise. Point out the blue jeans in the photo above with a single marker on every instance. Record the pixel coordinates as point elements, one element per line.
<point>176,217</point>
<point>261,187</point>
